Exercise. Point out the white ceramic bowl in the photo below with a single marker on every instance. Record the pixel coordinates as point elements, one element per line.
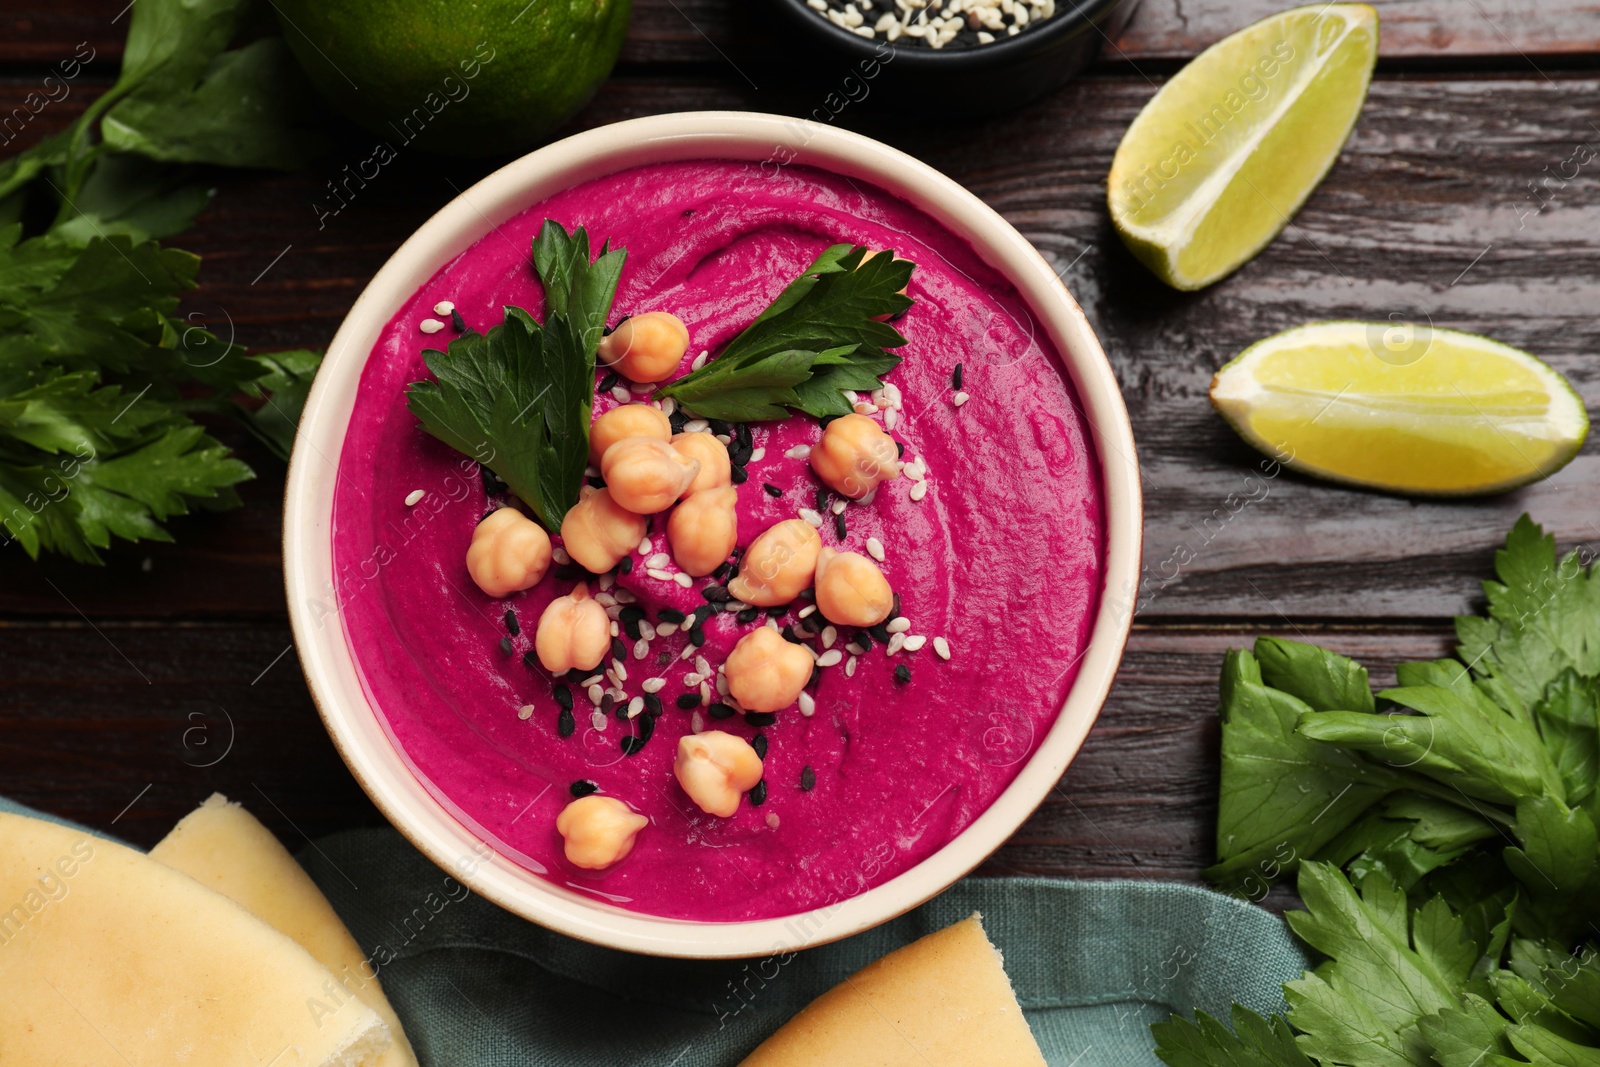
<point>360,732</point>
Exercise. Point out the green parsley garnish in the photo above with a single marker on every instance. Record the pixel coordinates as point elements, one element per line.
<point>1444,832</point>
<point>518,399</point>
<point>818,338</point>
<point>101,380</point>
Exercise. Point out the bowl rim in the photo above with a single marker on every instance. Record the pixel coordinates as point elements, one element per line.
<point>1078,16</point>
<point>359,731</point>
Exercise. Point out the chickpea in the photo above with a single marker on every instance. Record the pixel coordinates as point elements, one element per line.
<point>778,564</point>
<point>646,348</point>
<point>598,831</point>
<point>765,672</point>
<point>851,590</point>
<point>716,470</point>
<point>715,768</point>
<point>598,532</point>
<point>703,530</point>
<point>855,456</point>
<point>629,420</point>
<point>573,632</point>
<point>509,552</point>
<point>646,475</point>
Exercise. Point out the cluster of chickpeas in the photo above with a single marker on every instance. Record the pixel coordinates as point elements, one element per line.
<point>647,469</point>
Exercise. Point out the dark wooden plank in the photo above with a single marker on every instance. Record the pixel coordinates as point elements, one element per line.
<point>1421,219</point>
<point>712,31</point>
<point>93,716</point>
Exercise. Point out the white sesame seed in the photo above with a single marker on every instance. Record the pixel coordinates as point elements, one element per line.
<point>658,574</point>
<point>871,494</point>
<point>668,406</point>
<point>838,506</point>
<point>615,630</point>
<point>430,326</point>
<point>807,611</point>
<point>915,643</point>
<point>696,426</point>
<point>647,630</point>
<point>817,5</point>
<point>702,665</point>
<point>666,629</point>
<point>605,600</point>
<point>885,20</point>
<point>891,419</point>
<point>560,555</point>
<point>443,307</point>
<point>850,667</point>
<point>683,579</point>
<point>942,647</point>
<point>919,490</point>
<point>625,596</point>
<point>644,546</point>
<point>984,36</point>
<point>808,704</point>
<point>620,394</point>
<point>595,693</point>
<point>899,625</point>
<point>864,408</point>
<point>613,612</point>
<point>525,712</point>
<point>771,623</point>
<point>635,706</point>
<point>653,685</point>
<point>756,456</point>
<point>697,723</point>
<point>705,693</point>
<point>799,452</point>
<point>959,399</point>
<point>772,820</point>
<point>641,648</point>
<point>722,685</point>
<point>688,650</point>
<point>896,642</point>
<point>829,658</point>
<point>830,634</point>
<point>875,549</point>
<point>660,559</point>
<point>620,669</point>
<point>607,580</point>
<point>855,649</point>
<point>640,387</point>
<point>597,719</point>
<point>413,497</point>
<point>724,438</point>
<point>700,360</point>
<point>593,679</point>
<point>811,516</point>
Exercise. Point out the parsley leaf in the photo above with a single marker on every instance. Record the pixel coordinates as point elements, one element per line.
<point>518,399</point>
<point>820,337</point>
<point>1253,1042</point>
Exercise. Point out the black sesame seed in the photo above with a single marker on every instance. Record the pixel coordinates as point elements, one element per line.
<point>702,613</point>
<point>816,676</point>
<point>777,611</point>
<point>582,788</point>
<point>613,326</point>
<point>457,321</point>
<point>746,438</point>
<point>747,616</point>
<point>678,420</point>
<point>720,427</point>
<point>618,649</point>
<point>563,695</point>
<point>631,629</point>
<point>759,743</point>
<point>823,422</point>
<point>697,636</point>
<point>688,700</point>
<point>717,594</point>
<point>895,611</point>
<point>626,566</point>
<point>739,454</point>
<point>607,702</point>
<point>719,710</point>
<point>568,572</point>
<point>630,613</point>
<point>822,500</point>
<point>902,674</point>
<point>594,481</point>
<point>530,658</point>
<point>511,622</point>
<point>609,382</point>
<point>505,646</point>
<point>671,615</point>
<point>864,639</point>
<point>771,490</point>
<point>758,795</point>
<point>576,677</point>
<point>565,723</point>
<point>760,718</point>
<point>879,633</point>
<point>839,527</point>
<point>790,636</point>
<point>808,594</point>
<point>737,474</point>
<point>652,704</point>
<point>722,572</point>
<point>956,377</point>
<point>900,449</point>
<point>808,779</point>
<point>486,514</point>
<point>631,745</point>
<point>491,482</point>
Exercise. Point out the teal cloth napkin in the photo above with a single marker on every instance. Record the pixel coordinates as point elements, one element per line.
<point>1093,963</point>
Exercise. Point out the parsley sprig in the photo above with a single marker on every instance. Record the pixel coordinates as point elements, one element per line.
<point>820,337</point>
<point>101,380</point>
<point>518,399</point>
<point>1444,833</point>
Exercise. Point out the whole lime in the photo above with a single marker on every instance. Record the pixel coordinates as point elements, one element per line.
<point>475,78</point>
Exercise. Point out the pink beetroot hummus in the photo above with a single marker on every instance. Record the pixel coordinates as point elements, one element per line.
<point>1001,557</point>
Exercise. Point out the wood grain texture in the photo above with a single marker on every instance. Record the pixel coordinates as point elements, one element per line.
<point>1426,218</point>
<point>94,715</point>
<point>720,31</point>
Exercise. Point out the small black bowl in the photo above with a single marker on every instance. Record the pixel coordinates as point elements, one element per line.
<point>974,80</point>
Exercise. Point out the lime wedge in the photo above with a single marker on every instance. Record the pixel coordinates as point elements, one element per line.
<point>1224,155</point>
<point>1407,409</point>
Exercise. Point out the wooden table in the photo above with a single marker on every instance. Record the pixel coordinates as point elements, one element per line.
<point>131,692</point>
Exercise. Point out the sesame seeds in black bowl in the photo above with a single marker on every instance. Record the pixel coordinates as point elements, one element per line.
<point>972,56</point>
